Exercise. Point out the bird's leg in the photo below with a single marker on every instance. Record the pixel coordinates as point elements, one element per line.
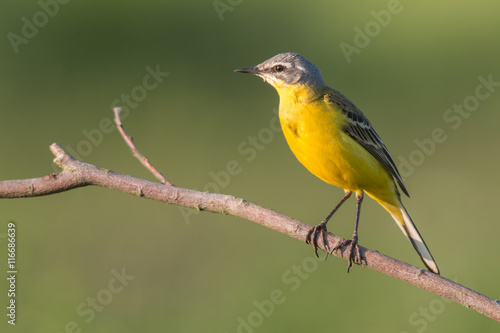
<point>354,239</point>
<point>320,229</point>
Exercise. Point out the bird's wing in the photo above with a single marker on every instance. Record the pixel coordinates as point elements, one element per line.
<point>359,128</point>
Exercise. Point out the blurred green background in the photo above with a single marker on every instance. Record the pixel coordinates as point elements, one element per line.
<point>212,273</point>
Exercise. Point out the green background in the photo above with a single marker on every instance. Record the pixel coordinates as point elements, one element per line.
<point>208,272</point>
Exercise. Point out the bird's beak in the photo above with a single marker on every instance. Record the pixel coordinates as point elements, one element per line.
<point>249,70</point>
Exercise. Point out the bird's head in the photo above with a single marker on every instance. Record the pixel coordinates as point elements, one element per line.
<point>287,69</point>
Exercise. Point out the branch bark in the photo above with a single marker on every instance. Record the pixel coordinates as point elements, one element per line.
<point>135,152</point>
<point>78,174</point>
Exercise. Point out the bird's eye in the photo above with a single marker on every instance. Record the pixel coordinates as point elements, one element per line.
<point>279,68</point>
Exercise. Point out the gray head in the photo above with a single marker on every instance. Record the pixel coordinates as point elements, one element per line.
<point>287,69</point>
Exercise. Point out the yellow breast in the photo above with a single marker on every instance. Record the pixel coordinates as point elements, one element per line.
<point>313,129</point>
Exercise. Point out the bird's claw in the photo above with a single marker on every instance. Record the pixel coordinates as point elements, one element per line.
<point>314,233</point>
<point>352,257</point>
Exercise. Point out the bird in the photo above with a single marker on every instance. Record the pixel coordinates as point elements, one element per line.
<point>334,140</point>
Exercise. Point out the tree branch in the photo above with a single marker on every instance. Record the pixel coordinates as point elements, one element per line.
<point>78,174</point>
<point>135,152</point>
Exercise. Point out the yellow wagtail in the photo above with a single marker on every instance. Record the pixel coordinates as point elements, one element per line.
<point>334,140</point>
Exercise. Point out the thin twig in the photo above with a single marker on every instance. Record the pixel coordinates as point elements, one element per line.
<point>135,152</point>
<point>77,174</point>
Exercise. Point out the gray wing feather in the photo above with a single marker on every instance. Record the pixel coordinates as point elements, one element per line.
<point>360,129</point>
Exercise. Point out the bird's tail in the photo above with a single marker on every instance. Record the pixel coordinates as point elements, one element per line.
<point>400,215</point>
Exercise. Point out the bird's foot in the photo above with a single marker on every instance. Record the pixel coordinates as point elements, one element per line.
<point>353,256</point>
<point>314,233</point>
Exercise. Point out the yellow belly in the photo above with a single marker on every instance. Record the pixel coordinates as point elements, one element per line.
<point>315,136</point>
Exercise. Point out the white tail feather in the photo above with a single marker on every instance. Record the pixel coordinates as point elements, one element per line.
<point>411,232</point>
